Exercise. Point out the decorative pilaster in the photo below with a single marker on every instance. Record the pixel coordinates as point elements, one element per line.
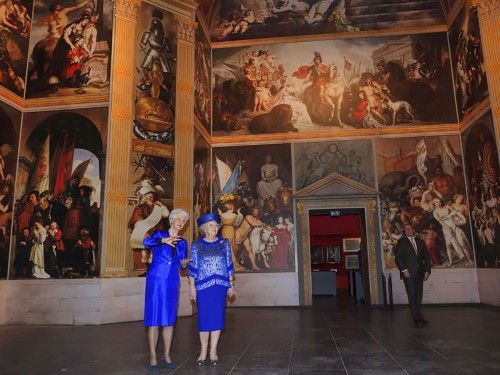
<point>184,117</point>
<point>115,236</point>
<point>305,254</point>
<point>489,23</point>
<point>371,252</point>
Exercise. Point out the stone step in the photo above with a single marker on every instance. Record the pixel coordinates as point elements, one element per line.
<point>364,19</point>
<point>412,6</point>
<point>370,3</point>
<point>400,24</point>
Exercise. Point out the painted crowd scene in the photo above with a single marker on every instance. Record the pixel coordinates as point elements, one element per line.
<point>342,84</point>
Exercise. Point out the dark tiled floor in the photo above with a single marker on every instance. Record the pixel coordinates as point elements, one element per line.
<point>336,336</point>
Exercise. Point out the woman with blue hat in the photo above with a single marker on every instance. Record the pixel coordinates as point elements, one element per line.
<point>211,275</point>
<point>162,285</point>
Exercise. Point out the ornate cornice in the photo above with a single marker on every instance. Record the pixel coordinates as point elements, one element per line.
<point>11,99</point>
<point>185,29</point>
<point>487,8</point>
<point>127,9</point>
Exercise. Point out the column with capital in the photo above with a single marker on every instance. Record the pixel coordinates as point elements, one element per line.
<point>115,236</point>
<point>489,23</point>
<point>184,117</point>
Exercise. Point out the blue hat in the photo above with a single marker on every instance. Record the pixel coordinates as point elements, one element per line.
<point>208,217</point>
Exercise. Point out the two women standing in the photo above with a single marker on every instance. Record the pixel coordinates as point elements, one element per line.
<point>210,274</point>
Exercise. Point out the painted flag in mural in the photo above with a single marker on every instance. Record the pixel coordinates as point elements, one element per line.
<point>421,156</point>
<point>347,64</point>
<point>227,177</point>
<point>40,179</point>
<point>68,162</point>
<point>60,182</point>
<point>53,166</point>
<point>81,169</point>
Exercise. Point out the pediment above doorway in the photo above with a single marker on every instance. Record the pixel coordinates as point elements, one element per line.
<point>335,185</point>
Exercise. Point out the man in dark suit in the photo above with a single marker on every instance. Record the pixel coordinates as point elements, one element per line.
<point>412,259</point>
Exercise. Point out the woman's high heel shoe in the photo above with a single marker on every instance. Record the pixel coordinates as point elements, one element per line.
<point>201,362</point>
<point>167,364</point>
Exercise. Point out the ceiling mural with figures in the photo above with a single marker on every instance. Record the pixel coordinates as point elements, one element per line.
<point>231,20</point>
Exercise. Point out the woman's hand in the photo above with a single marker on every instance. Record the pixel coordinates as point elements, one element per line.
<point>185,262</point>
<point>172,241</point>
<point>192,293</point>
<point>231,292</point>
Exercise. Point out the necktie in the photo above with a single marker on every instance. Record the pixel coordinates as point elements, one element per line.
<point>412,239</point>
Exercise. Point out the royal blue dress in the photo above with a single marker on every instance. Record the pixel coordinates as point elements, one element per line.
<point>211,267</point>
<point>163,280</point>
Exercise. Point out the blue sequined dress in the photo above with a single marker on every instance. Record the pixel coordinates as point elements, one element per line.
<point>163,280</point>
<point>211,268</point>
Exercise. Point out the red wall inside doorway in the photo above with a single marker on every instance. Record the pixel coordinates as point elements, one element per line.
<point>330,231</point>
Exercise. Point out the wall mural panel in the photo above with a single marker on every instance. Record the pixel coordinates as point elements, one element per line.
<point>252,190</point>
<point>202,179</point>
<point>351,159</point>
<point>483,183</point>
<point>10,120</point>
<point>467,60</point>
<point>59,181</point>
<point>318,86</point>
<point>15,31</point>
<point>70,50</point>
<point>422,183</point>
<point>152,163</point>
<point>203,72</point>
<point>249,19</point>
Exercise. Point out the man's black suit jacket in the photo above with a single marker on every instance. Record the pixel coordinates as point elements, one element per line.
<point>407,259</point>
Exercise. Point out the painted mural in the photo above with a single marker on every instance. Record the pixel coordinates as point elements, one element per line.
<point>422,183</point>
<point>58,205</point>
<point>203,72</point>
<point>351,159</point>
<point>10,120</point>
<point>201,180</point>
<point>483,186</point>
<point>252,191</point>
<point>70,50</point>
<point>208,10</point>
<point>467,58</point>
<point>15,31</point>
<point>319,86</point>
<point>152,161</point>
<point>249,19</point>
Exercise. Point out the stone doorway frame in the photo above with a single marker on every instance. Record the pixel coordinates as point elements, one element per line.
<point>336,192</point>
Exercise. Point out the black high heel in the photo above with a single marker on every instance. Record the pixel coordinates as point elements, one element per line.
<point>201,362</point>
<point>214,362</point>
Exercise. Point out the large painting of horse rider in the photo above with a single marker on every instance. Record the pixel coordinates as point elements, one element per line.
<point>356,83</point>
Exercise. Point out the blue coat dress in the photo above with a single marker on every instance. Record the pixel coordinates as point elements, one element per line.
<point>162,280</point>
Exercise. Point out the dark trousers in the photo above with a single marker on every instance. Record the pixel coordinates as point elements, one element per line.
<point>415,291</point>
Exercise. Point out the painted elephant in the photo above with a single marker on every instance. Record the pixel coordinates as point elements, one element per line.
<point>397,184</point>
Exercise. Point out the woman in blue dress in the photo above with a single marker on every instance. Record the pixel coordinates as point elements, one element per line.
<point>211,276</point>
<point>162,285</point>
